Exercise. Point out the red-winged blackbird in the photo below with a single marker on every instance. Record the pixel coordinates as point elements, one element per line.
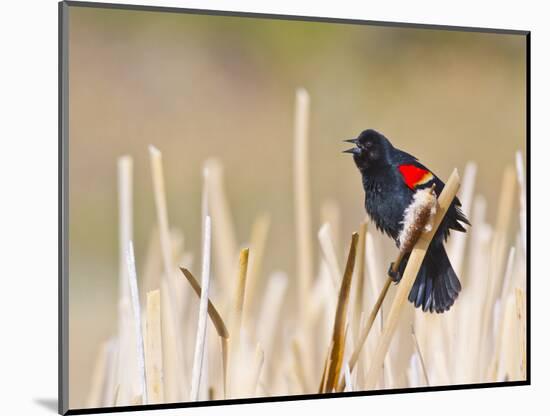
<point>390,179</point>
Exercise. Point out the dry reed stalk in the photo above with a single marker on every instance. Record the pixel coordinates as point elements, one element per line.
<point>136,400</point>
<point>205,373</point>
<point>225,242</point>
<point>457,244</point>
<point>507,281</point>
<point>258,239</point>
<point>330,213</point>
<point>519,273</point>
<point>152,266</point>
<point>302,201</point>
<point>324,374</point>
<point>360,279</point>
<point>184,308</point>
<point>500,314</point>
<point>136,308</point>
<point>257,369</point>
<point>99,376</point>
<point>205,211</point>
<point>492,371</point>
<point>269,314</point>
<point>388,380</point>
<point>433,327</point>
<point>153,349</point>
<point>420,356</point>
<point>170,353</point>
<point>162,215</point>
<point>127,372</point>
<point>430,333</point>
<point>327,247</point>
<point>359,373</point>
<point>323,290</point>
<point>413,372</point>
<point>376,273</point>
<point>116,395</point>
<point>239,297</point>
<point>319,324</point>
<point>481,233</point>
<point>347,341</point>
<point>376,280</point>
<point>225,365</point>
<point>125,219</point>
<point>347,378</point>
<point>307,364</point>
<point>456,251</point>
<point>320,316</point>
<point>236,318</point>
<point>204,199</point>
<point>203,312</point>
<point>109,398</point>
<point>520,311</point>
<point>520,171</point>
<point>411,271</point>
<point>366,330</point>
<point>498,251</point>
<point>299,366</point>
<point>214,369</point>
<point>508,366</point>
<point>338,335</point>
<point>269,317</point>
<point>443,376</point>
<point>468,367</point>
<point>215,316</point>
<point>184,305</point>
<point>504,215</point>
<point>171,342</point>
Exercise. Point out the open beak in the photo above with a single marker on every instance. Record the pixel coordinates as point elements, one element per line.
<point>353,150</point>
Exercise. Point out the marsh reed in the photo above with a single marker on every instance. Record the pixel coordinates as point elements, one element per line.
<point>234,334</point>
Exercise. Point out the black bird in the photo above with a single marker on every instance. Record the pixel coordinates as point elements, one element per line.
<point>390,179</point>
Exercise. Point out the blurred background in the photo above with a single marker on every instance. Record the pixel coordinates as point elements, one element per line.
<point>209,86</point>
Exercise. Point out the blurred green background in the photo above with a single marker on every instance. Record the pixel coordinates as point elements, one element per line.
<point>201,86</point>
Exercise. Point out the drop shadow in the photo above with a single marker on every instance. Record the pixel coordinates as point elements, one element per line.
<point>49,404</point>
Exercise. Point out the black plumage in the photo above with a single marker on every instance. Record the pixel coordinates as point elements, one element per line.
<point>390,178</point>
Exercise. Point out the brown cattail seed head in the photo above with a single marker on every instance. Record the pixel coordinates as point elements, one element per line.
<point>417,218</point>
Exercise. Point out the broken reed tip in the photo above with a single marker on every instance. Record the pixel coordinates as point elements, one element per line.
<point>324,229</point>
<point>153,151</point>
<point>212,164</point>
<point>302,95</point>
<point>124,160</point>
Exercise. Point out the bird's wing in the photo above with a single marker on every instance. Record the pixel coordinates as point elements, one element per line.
<point>415,175</point>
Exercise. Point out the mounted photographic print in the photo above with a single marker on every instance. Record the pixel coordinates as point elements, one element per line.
<point>265,208</point>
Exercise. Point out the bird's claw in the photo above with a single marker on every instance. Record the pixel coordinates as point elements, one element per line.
<point>395,276</point>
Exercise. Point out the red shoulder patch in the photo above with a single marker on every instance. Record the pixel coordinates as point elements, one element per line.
<point>414,176</point>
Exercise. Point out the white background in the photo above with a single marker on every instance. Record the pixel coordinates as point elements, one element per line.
<point>28,205</point>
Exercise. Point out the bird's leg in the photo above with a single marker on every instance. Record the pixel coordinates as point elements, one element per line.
<point>395,275</point>
<point>397,268</point>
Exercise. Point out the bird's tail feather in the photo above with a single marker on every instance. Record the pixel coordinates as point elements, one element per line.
<point>437,286</point>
